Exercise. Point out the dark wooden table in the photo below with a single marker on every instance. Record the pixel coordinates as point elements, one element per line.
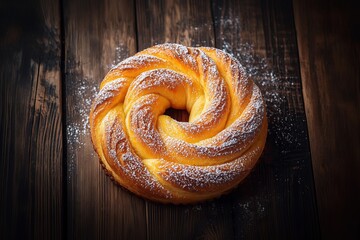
<point>304,55</point>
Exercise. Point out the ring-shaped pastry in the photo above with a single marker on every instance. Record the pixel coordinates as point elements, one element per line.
<point>160,158</point>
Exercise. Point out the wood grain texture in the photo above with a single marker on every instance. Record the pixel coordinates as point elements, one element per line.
<point>185,22</point>
<point>98,34</point>
<point>329,49</point>
<point>30,121</point>
<point>277,201</point>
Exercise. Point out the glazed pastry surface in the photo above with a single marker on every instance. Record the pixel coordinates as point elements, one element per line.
<point>161,159</point>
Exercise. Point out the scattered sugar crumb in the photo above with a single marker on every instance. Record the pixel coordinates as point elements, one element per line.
<point>278,92</point>
<point>77,123</point>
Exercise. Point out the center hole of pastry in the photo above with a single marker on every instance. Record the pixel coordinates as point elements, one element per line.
<point>180,115</point>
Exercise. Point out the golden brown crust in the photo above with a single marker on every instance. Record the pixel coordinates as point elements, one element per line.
<point>161,159</point>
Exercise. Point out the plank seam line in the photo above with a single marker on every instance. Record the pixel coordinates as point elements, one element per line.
<point>63,120</point>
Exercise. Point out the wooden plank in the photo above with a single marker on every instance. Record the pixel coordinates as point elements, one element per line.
<point>98,34</point>
<point>186,22</point>
<point>30,121</point>
<point>329,50</point>
<point>189,23</point>
<point>278,200</point>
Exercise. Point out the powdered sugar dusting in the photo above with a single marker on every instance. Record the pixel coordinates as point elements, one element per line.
<point>83,97</point>
<point>217,97</point>
<point>137,62</point>
<point>275,91</point>
<point>168,79</point>
<point>143,125</point>
<point>77,122</point>
<point>182,53</point>
<point>109,91</point>
<point>144,102</point>
<point>207,178</point>
<point>128,164</point>
<point>260,71</point>
<point>229,143</point>
<point>120,51</point>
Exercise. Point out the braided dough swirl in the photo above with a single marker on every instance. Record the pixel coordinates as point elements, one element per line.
<point>161,159</point>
